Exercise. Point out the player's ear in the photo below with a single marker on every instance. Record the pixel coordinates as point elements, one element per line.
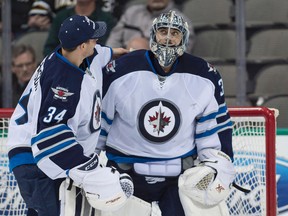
<point>82,45</point>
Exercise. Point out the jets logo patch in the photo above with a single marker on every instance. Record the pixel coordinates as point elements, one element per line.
<point>158,121</point>
<point>110,67</point>
<point>61,93</point>
<point>95,120</point>
<point>211,68</point>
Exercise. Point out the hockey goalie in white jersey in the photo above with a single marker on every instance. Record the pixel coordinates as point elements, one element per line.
<point>162,109</point>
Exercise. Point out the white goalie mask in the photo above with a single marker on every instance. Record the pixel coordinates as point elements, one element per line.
<point>165,53</point>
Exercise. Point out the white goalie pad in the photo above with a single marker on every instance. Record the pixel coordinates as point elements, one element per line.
<point>133,206</point>
<point>70,201</point>
<point>192,208</point>
<point>210,182</point>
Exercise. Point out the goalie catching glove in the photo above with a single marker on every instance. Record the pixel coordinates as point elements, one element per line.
<point>210,182</point>
<point>104,187</point>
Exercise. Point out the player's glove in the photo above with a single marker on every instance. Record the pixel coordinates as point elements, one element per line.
<point>104,188</point>
<point>210,182</point>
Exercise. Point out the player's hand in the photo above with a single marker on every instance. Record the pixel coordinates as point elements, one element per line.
<point>38,21</point>
<point>78,173</point>
<point>117,52</point>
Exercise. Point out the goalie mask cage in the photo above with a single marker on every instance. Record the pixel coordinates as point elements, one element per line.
<point>254,132</point>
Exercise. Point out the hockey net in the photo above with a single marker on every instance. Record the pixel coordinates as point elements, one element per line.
<point>254,159</point>
<point>254,137</point>
<point>11,202</point>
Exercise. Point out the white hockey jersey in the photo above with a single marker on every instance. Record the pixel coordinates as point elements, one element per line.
<point>148,115</point>
<point>56,123</point>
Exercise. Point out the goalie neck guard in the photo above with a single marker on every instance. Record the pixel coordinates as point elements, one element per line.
<point>166,54</point>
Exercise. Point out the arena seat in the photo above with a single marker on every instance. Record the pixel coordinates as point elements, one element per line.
<point>207,13</point>
<point>279,102</point>
<point>215,45</point>
<point>268,46</point>
<point>266,13</point>
<point>270,80</point>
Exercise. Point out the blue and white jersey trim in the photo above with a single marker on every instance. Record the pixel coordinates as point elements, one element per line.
<point>52,141</point>
<point>221,112</point>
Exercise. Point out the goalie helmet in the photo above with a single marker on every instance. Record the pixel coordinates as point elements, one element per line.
<point>166,54</point>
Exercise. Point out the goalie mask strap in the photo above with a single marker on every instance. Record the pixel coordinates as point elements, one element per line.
<point>244,190</point>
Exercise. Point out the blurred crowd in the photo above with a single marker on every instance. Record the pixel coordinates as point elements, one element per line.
<point>35,25</point>
<point>128,25</point>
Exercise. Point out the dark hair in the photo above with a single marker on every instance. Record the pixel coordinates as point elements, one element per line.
<point>73,48</point>
<point>18,50</point>
<point>69,49</point>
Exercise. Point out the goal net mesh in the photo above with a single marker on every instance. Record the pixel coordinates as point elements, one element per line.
<point>11,202</point>
<point>249,160</point>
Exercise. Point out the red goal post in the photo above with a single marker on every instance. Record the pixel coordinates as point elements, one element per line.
<point>258,124</point>
<point>254,135</point>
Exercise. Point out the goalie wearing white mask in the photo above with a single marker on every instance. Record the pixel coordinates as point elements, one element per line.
<point>163,108</point>
<point>169,38</point>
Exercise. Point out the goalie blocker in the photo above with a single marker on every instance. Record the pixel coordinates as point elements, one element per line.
<point>209,183</point>
<point>104,187</point>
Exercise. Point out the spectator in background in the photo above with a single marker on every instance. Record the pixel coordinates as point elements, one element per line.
<point>57,5</point>
<point>23,66</point>
<point>83,7</point>
<point>28,15</point>
<point>116,7</point>
<point>40,16</point>
<point>19,16</point>
<point>136,43</point>
<point>137,20</point>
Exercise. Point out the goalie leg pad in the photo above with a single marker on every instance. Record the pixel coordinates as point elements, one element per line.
<point>133,206</point>
<point>196,209</point>
<point>69,201</point>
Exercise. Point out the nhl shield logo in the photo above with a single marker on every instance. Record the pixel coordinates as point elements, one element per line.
<point>159,121</point>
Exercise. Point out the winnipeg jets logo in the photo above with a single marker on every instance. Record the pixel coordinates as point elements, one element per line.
<point>97,113</point>
<point>158,121</point>
<point>110,67</point>
<point>95,120</point>
<point>211,68</point>
<point>61,93</point>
